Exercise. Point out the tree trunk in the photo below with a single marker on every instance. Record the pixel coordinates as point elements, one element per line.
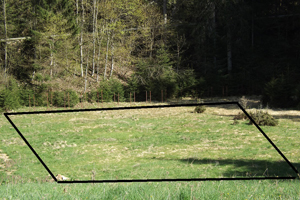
<point>33,75</point>
<point>77,12</point>
<point>112,56</point>
<point>5,47</point>
<point>99,51</point>
<point>94,39</point>
<point>165,11</point>
<point>99,43</point>
<point>178,54</point>
<point>252,27</point>
<point>81,40</point>
<point>51,60</point>
<point>67,60</point>
<point>106,56</point>
<point>151,42</point>
<point>214,32</point>
<point>86,69</point>
<point>229,51</point>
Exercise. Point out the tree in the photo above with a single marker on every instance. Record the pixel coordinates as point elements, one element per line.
<point>54,31</point>
<point>5,34</point>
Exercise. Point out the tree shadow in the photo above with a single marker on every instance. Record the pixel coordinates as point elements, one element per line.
<point>243,167</point>
<point>294,118</point>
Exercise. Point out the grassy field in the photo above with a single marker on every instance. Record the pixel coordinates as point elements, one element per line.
<point>156,143</point>
<point>171,190</point>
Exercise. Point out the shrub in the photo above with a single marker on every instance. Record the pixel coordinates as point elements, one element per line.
<point>263,119</point>
<point>9,97</point>
<point>243,102</point>
<point>60,99</point>
<point>278,93</point>
<point>25,93</point>
<point>92,96</point>
<point>200,109</point>
<point>240,116</point>
<point>38,77</point>
<point>39,93</point>
<point>117,88</point>
<point>235,121</point>
<point>73,97</point>
<point>155,75</point>
<point>108,89</point>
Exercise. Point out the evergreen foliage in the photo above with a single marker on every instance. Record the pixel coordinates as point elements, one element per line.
<point>157,74</point>
<point>200,109</point>
<point>250,46</point>
<point>240,116</point>
<point>73,97</point>
<point>9,97</point>
<point>278,93</point>
<point>261,118</point>
<point>26,93</point>
<point>60,98</point>
<point>107,89</point>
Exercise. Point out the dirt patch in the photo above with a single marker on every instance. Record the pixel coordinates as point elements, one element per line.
<point>59,144</point>
<point>3,157</point>
<point>5,163</point>
<point>14,141</point>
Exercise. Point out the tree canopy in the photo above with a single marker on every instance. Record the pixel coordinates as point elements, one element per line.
<point>250,47</point>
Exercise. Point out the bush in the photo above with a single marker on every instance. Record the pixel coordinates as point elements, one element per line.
<point>104,87</point>
<point>108,89</point>
<point>278,93</point>
<point>240,116</point>
<point>92,96</point>
<point>263,119</point>
<point>200,109</point>
<point>132,86</point>
<point>25,93</point>
<point>38,77</point>
<point>243,102</point>
<point>117,88</point>
<point>73,97</point>
<point>156,75</point>
<point>9,97</point>
<point>60,99</point>
<point>39,93</point>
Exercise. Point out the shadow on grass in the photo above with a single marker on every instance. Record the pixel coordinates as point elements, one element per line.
<point>244,167</point>
<point>294,118</point>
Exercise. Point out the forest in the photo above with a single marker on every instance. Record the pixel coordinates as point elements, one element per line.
<point>197,48</point>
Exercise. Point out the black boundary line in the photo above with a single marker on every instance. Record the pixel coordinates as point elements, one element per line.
<point>175,180</point>
<point>118,108</point>
<point>150,180</point>
<point>30,147</point>
<point>270,141</point>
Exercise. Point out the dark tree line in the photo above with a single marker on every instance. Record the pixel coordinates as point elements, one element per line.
<point>188,47</point>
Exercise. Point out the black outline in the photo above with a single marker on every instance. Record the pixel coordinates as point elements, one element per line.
<point>151,180</point>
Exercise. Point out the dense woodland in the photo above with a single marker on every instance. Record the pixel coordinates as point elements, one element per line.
<point>193,48</point>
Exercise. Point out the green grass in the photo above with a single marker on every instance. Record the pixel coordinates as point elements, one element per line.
<point>170,190</point>
<point>148,143</point>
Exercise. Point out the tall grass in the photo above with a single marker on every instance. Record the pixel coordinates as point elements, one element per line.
<point>171,190</point>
